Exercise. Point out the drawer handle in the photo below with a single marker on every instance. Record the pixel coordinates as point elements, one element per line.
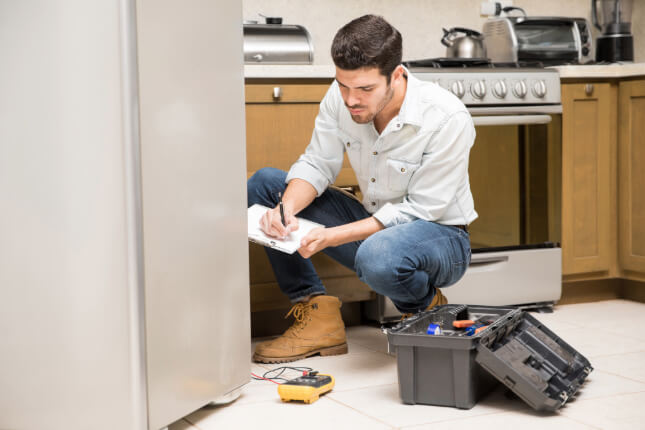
<point>589,89</point>
<point>277,92</point>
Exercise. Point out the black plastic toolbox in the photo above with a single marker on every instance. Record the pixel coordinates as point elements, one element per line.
<point>455,369</point>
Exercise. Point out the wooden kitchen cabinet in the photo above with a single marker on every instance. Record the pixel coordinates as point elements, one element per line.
<point>280,119</point>
<point>279,123</point>
<point>631,179</point>
<point>588,196</point>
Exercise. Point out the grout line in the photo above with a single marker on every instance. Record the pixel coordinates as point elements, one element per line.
<point>485,414</point>
<point>603,397</point>
<point>362,413</point>
<point>192,424</point>
<point>582,422</point>
<point>620,376</point>
<point>349,390</point>
<point>611,355</point>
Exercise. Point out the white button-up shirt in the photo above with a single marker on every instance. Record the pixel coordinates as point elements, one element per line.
<point>417,168</point>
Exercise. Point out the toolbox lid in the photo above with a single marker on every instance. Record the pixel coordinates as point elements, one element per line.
<point>533,362</point>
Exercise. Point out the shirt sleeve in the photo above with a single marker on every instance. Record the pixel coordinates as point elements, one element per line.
<point>323,158</point>
<point>443,169</point>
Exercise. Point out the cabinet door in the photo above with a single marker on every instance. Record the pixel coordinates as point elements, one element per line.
<point>631,178</point>
<point>278,129</point>
<point>588,119</point>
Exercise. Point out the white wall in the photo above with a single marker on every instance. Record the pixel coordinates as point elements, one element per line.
<point>419,21</point>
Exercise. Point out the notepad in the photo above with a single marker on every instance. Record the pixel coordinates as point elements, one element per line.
<point>290,244</point>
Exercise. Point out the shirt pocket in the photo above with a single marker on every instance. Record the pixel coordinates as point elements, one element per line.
<point>399,173</point>
<point>354,154</point>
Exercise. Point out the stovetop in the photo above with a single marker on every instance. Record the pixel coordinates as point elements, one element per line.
<point>478,82</point>
<point>443,62</point>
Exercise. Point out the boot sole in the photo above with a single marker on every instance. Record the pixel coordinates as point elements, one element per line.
<point>331,350</point>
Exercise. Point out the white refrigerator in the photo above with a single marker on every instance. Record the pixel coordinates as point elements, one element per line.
<point>124,287</point>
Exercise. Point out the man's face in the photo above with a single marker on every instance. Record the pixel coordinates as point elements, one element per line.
<point>365,92</point>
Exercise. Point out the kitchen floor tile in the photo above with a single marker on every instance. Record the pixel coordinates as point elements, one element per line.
<point>509,420</point>
<point>602,314</point>
<point>598,342</point>
<point>611,413</point>
<point>324,414</point>
<point>630,366</point>
<point>371,337</point>
<point>384,403</point>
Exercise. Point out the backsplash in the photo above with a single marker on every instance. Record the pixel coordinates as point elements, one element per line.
<point>419,21</point>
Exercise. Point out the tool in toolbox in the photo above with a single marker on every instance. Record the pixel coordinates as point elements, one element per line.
<point>306,388</point>
<point>512,348</point>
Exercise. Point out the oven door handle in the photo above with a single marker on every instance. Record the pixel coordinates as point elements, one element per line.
<point>511,119</point>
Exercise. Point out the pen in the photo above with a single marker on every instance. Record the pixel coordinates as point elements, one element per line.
<point>282,210</point>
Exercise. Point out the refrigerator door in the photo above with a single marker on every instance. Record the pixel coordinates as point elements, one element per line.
<point>124,286</point>
<point>70,320</point>
<point>193,169</point>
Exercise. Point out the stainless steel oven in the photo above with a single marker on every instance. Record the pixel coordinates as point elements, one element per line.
<point>514,176</point>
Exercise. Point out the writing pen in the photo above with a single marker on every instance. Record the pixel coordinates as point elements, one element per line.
<point>282,210</point>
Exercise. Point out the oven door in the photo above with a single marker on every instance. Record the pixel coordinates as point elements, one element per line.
<point>514,171</point>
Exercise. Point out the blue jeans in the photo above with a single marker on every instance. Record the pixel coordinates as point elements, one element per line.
<point>405,262</point>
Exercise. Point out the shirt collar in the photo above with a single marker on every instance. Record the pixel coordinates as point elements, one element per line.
<point>410,112</point>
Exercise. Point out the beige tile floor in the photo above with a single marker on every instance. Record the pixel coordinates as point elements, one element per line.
<point>611,334</point>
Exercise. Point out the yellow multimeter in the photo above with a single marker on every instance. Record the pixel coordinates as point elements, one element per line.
<point>307,388</point>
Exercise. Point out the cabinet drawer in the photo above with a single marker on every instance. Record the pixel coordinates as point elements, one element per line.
<point>287,93</point>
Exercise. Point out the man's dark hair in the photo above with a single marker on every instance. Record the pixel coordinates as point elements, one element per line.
<point>368,41</point>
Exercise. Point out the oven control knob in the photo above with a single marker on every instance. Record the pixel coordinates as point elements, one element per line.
<point>499,89</point>
<point>478,89</point>
<point>519,89</point>
<point>458,89</point>
<point>539,89</point>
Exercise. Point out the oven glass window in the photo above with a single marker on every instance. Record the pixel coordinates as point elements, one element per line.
<point>514,178</point>
<point>545,37</point>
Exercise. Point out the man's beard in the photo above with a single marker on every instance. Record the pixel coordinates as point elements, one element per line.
<point>384,101</point>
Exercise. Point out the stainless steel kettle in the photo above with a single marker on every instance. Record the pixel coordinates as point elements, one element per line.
<point>463,43</point>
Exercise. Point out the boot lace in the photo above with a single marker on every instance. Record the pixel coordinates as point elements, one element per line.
<point>300,312</point>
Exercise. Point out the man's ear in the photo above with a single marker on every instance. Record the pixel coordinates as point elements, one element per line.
<point>397,75</point>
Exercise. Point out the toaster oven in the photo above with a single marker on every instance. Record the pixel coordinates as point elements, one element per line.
<point>549,40</point>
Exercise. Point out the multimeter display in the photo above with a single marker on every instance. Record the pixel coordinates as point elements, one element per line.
<point>307,388</point>
<point>316,381</point>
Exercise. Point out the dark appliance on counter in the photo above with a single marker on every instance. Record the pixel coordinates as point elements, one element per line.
<point>549,40</point>
<point>616,42</point>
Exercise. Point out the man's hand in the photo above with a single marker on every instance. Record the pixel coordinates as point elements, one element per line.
<point>316,240</point>
<point>271,223</point>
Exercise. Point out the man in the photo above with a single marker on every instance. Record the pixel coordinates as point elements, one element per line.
<point>408,142</point>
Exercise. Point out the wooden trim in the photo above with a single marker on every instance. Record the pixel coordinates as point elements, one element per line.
<point>633,290</point>
<point>590,291</point>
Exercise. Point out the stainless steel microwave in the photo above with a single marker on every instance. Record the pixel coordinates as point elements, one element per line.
<point>549,40</point>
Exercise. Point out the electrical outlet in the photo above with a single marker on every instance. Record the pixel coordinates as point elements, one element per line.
<point>493,8</point>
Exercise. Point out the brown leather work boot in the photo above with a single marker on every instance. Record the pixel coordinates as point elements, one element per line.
<point>318,329</point>
<point>438,300</point>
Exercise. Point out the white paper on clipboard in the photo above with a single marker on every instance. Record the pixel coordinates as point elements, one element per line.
<point>290,245</point>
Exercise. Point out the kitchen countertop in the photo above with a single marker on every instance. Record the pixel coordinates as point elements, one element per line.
<point>290,71</point>
<point>328,71</point>
<point>601,71</point>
